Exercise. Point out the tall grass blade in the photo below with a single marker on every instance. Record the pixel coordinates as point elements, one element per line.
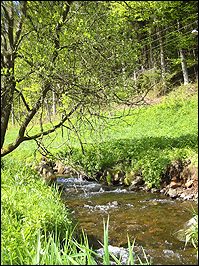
<point>36,258</point>
<point>106,252</point>
<point>130,259</point>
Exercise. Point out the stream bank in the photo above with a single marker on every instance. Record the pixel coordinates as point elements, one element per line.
<point>149,216</point>
<point>179,180</point>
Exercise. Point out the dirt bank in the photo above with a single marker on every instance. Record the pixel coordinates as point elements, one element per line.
<point>180,180</point>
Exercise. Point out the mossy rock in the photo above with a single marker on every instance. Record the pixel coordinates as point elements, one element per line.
<point>183,233</point>
<point>127,181</point>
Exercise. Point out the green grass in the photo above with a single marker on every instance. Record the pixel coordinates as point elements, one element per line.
<point>146,141</point>
<point>49,251</point>
<point>36,228</point>
<point>34,222</point>
<point>192,234</point>
<point>26,205</point>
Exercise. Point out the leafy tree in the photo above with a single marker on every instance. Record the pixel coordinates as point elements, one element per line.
<point>66,47</point>
<point>157,39</point>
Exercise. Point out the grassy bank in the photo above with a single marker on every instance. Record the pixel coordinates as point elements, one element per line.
<point>36,228</point>
<point>27,205</point>
<point>146,141</point>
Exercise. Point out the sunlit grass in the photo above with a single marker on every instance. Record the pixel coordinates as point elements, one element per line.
<point>26,205</point>
<point>31,212</point>
<point>49,251</point>
<point>147,140</point>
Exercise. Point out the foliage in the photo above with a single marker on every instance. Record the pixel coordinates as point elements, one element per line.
<point>149,78</point>
<point>26,205</point>
<point>36,228</point>
<point>79,57</point>
<point>192,235</point>
<point>147,146</point>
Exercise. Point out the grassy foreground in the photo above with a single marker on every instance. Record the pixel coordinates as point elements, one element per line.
<point>36,228</point>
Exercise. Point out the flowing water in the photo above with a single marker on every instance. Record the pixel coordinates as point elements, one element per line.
<point>150,218</point>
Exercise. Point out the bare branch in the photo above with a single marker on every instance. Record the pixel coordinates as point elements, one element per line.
<point>21,138</point>
<point>81,144</point>
<point>23,99</point>
<point>25,76</point>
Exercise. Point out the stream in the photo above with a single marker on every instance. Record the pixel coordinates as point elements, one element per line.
<point>152,219</point>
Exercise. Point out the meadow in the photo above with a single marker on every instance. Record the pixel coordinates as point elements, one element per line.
<point>146,141</point>
<point>36,228</point>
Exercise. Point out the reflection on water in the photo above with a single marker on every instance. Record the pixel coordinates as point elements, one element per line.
<point>150,218</point>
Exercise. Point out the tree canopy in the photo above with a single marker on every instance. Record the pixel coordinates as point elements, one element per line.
<point>83,57</point>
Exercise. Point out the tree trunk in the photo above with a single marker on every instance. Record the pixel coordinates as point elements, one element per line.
<point>162,61</point>
<point>19,114</point>
<point>184,67</point>
<point>151,62</point>
<point>183,63</point>
<point>135,79</point>
<point>8,86</point>
<point>9,40</point>
<point>151,55</point>
<point>123,74</point>
<point>20,138</point>
<point>48,110</point>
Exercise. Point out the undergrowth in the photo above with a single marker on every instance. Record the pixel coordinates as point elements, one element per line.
<point>26,205</point>
<point>146,142</point>
<point>36,227</point>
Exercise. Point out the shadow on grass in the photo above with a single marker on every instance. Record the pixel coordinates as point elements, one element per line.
<point>148,156</point>
<point>130,151</point>
<point>188,140</point>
